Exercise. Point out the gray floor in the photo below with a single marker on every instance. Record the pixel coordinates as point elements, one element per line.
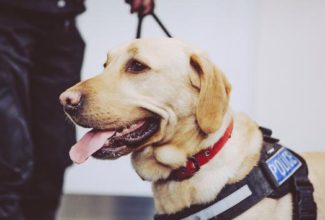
<point>87,207</point>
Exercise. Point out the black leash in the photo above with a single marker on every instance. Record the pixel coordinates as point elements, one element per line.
<point>140,20</point>
<point>139,27</point>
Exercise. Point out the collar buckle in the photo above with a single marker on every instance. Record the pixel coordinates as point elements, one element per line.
<point>187,171</point>
<point>194,163</point>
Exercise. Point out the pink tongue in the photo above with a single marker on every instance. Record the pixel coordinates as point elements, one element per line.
<point>89,144</point>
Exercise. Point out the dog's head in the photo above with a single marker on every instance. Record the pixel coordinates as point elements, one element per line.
<point>151,93</point>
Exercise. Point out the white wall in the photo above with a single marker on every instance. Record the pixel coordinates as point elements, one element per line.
<point>273,52</point>
<point>290,71</point>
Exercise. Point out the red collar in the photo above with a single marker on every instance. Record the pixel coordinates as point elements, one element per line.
<point>196,161</point>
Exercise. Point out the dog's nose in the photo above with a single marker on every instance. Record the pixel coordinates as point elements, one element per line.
<point>71,101</point>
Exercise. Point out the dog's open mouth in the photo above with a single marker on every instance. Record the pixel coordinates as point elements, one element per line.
<point>103,144</point>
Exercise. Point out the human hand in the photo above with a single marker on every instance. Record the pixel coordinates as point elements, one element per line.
<point>142,7</point>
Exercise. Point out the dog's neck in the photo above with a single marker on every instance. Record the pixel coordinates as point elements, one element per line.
<point>196,161</point>
<point>231,164</point>
<point>213,138</point>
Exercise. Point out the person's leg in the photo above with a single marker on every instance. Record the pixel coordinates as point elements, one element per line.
<point>15,139</point>
<point>58,63</point>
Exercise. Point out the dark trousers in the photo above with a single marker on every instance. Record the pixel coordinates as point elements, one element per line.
<point>40,56</point>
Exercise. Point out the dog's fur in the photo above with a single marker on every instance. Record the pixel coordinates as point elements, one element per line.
<point>191,95</point>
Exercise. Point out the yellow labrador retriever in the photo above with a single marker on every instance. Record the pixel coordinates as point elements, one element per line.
<point>165,103</point>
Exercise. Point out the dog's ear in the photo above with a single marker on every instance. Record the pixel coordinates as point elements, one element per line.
<point>214,93</point>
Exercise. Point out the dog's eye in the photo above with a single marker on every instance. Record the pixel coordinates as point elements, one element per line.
<point>135,66</point>
<point>105,65</point>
